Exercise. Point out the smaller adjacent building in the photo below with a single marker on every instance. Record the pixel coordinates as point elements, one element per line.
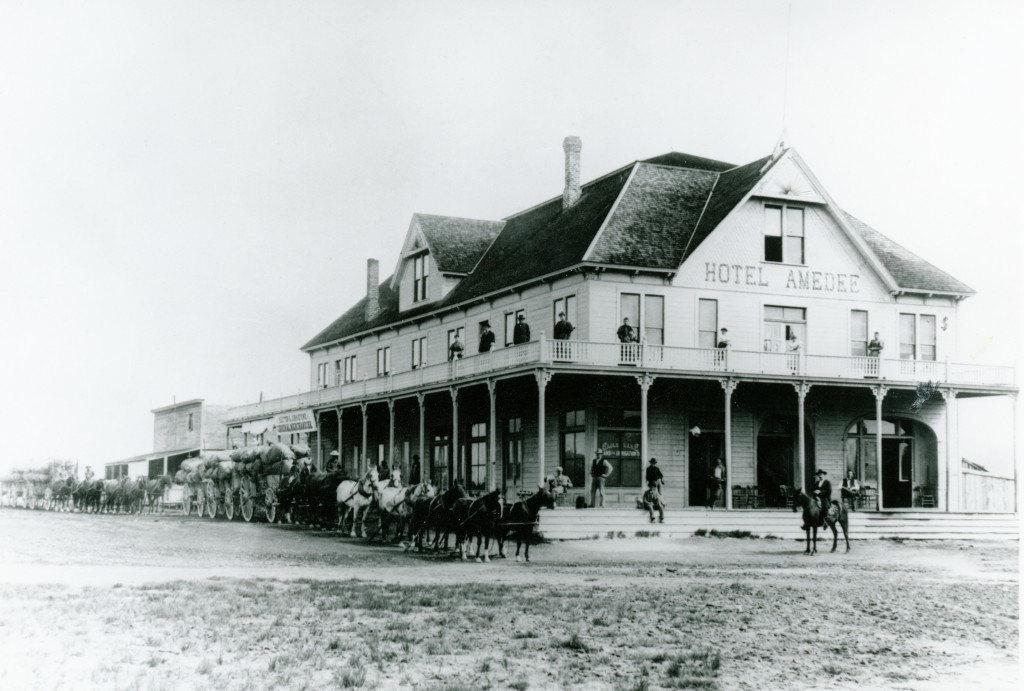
<point>180,431</point>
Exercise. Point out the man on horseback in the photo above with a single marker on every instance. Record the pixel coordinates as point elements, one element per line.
<point>823,490</point>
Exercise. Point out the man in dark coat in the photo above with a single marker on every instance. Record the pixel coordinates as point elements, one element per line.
<point>486,337</point>
<point>563,328</point>
<point>654,477</point>
<point>521,332</point>
<point>625,332</point>
<point>823,489</point>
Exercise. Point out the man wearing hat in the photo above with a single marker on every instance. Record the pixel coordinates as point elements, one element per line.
<point>559,484</point>
<point>654,477</point>
<point>332,462</point>
<point>563,328</point>
<point>600,469</point>
<point>89,475</point>
<point>521,332</point>
<point>823,489</point>
<point>486,337</point>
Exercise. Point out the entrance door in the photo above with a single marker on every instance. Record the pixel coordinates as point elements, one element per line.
<point>512,459</point>
<point>439,470</point>
<point>704,451</point>
<point>775,463</point>
<point>897,469</point>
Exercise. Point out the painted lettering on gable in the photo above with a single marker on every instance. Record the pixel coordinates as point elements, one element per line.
<point>796,279</point>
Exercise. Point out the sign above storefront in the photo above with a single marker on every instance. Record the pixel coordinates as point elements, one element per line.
<point>796,279</point>
<point>295,423</point>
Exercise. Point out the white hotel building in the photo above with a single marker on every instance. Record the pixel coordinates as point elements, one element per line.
<point>682,246</point>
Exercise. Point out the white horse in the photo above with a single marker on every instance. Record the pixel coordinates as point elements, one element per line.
<point>397,502</point>
<point>355,496</point>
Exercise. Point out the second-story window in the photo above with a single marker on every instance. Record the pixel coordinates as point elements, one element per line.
<point>510,325</point>
<point>383,361</point>
<point>917,337</point>
<point>419,347</point>
<point>784,234</point>
<point>707,323</point>
<point>646,314</point>
<point>420,274</point>
<point>858,332</point>
<point>781,324</point>
<point>337,373</point>
<point>321,375</point>
<point>351,369</point>
<point>190,428</point>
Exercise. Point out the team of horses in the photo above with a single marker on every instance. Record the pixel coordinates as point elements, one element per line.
<point>418,515</point>
<point>124,495</point>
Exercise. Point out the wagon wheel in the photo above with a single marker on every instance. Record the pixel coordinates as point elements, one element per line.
<point>200,504</point>
<point>270,505</point>
<point>246,506</point>
<point>211,508</point>
<point>229,508</point>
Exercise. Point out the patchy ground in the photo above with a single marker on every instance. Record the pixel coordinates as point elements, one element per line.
<point>169,602</point>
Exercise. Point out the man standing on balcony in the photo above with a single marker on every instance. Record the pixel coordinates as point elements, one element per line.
<point>626,333</point>
<point>486,337</point>
<point>563,328</point>
<point>875,346</point>
<point>455,349</point>
<point>723,340</point>
<point>521,332</point>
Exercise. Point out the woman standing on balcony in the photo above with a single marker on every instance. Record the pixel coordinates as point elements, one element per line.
<point>486,337</point>
<point>563,328</point>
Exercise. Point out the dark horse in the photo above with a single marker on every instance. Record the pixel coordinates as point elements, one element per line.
<point>476,517</point>
<point>815,518</point>
<point>520,519</point>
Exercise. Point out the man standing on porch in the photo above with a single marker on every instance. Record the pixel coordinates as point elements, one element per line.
<point>599,472</point>
<point>715,484</point>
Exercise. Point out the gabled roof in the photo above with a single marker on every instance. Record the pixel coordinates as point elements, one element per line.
<point>456,244</point>
<point>650,215</point>
<point>910,271</point>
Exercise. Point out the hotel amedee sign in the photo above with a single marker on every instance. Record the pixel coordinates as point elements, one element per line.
<point>294,423</point>
<point>796,279</point>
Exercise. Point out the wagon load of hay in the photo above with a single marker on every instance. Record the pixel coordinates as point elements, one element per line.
<point>190,472</point>
<point>300,450</point>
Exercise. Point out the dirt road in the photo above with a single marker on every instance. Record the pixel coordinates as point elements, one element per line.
<point>641,613</point>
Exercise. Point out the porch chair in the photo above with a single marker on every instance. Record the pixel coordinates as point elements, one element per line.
<point>786,496</point>
<point>755,497</point>
<point>926,498</point>
<point>739,497</point>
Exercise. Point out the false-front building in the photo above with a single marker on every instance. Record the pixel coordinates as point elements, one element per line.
<point>685,248</point>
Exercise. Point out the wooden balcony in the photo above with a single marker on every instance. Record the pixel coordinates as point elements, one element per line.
<point>588,355</point>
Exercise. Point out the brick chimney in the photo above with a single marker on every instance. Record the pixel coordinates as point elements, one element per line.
<point>372,289</point>
<point>571,195</point>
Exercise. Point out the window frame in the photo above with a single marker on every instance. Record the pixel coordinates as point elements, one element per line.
<point>786,237</point>
<point>420,277</point>
<point>351,369</point>
<point>788,325</point>
<point>640,320</point>
<point>510,325</point>
<point>567,304</point>
<point>419,346</point>
<point>574,423</point>
<point>478,456</point>
<point>713,302</point>
<point>383,361</point>
<point>856,343</point>
<point>322,372</point>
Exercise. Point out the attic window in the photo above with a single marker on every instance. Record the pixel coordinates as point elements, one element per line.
<point>420,274</point>
<point>784,234</point>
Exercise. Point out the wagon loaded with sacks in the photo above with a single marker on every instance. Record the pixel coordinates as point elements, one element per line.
<point>244,481</point>
<point>35,488</point>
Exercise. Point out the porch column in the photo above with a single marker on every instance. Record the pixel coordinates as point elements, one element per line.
<point>319,463</point>
<point>645,381</point>
<point>364,465</point>
<point>456,466</point>
<point>421,399</point>
<point>947,486</point>
<point>391,438</point>
<point>493,450</point>
<point>802,389</point>
<point>543,377</point>
<point>879,392</point>
<point>341,450</point>
<point>728,385</point>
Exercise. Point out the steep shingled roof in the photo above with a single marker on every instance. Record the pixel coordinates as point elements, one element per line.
<point>910,271</point>
<point>456,244</point>
<point>670,206</point>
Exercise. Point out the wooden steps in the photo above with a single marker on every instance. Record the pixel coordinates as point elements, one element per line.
<point>585,524</point>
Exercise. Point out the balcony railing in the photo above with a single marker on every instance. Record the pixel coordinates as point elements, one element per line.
<point>728,362</point>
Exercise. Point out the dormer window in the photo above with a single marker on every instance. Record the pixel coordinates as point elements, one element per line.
<point>420,273</point>
<point>784,234</point>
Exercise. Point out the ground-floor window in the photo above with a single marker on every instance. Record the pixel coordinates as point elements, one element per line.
<point>477,456</point>
<point>574,457</point>
<point>439,445</point>
<point>909,460</point>
<point>513,461</point>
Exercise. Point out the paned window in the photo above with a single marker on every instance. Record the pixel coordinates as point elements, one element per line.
<point>707,323</point>
<point>383,361</point>
<point>858,332</point>
<point>190,427</point>
<point>513,451</point>
<point>338,373</point>
<point>420,273</point>
<point>477,456</point>
<point>784,234</point>
<point>782,323</point>
<point>419,347</point>
<point>321,375</point>
<point>618,434</point>
<point>351,369</point>
<point>567,305</point>
<point>574,457</point>
<point>917,337</point>
<point>646,314</point>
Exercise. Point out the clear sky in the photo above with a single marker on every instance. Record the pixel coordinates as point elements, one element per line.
<point>189,190</point>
